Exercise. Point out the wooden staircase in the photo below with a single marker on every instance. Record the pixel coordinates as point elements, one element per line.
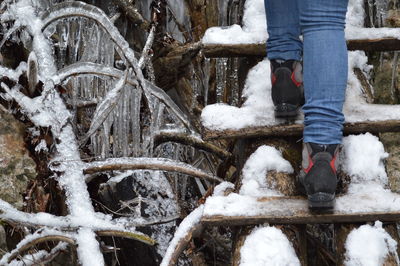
<point>289,210</point>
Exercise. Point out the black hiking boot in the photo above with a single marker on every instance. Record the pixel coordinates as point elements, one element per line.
<point>287,87</point>
<point>318,175</point>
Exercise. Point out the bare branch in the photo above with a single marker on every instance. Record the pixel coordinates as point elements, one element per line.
<point>133,14</point>
<point>38,240</point>
<point>196,142</point>
<point>158,164</point>
<point>126,234</point>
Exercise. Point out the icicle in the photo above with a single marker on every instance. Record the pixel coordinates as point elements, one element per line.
<point>371,12</point>
<point>234,82</point>
<point>105,107</point>
<point>221,78</point>
<point>394,74</point>
<point>206,79</point>
<point>135,117</point>
<point>381,11</point>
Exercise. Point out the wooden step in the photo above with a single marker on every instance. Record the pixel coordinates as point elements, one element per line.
<point>297,130</point>
<point>294,210</point>
<point>244,50</point>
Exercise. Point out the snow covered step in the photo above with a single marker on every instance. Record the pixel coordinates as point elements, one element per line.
<point>258,49</point>
<point>296,129</point>
<point>244,210</point>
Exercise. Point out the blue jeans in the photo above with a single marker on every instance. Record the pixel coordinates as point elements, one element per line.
<point>324,54</point>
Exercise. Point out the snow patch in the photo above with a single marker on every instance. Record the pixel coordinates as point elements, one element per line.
<point>369,245</point>
<point>363,159</point>
<point>264,159</point>
<point>254,29</point>
<point>267,246</point>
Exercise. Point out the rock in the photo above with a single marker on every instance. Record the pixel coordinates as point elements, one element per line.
<point>16,167</point>
<point>391,141</point>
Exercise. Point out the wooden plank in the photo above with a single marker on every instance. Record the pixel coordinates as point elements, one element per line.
<point>244,50</point>
<point>297,130</point>
<point>294,210</point>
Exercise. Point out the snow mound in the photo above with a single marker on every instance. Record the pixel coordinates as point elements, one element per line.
<point>267,246</point>
<point>254,28</point>
<point>369,246</point>
<point>264,159</point>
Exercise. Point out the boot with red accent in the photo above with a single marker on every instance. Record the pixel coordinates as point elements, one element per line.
<point>318,176</point>
<point>287,87</point>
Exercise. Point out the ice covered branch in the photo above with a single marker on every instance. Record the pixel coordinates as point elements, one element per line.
<point>33,240</point>
<point>158,164</point>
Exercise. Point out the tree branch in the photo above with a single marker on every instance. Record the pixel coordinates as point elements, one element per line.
<point>16,252</point>
<point>166,136</point>
<point>157,164</point>
<point>125,234</point>
<point>132,13</point>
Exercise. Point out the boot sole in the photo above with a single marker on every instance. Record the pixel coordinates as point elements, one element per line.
<point>285,110</point>
<point>321,202</point>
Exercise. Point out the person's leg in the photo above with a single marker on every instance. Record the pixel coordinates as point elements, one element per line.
<point>325,78</point>
<point>284,50</point>
<point>283,30</point>
<point>324,68</point>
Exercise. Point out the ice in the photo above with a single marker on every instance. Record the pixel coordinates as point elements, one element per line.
<point>263,160</point>
<point>13,74</point>
<point>267,246</point>
<point>369,245</point>
<point>42,146</point>
<point>104,108</point>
